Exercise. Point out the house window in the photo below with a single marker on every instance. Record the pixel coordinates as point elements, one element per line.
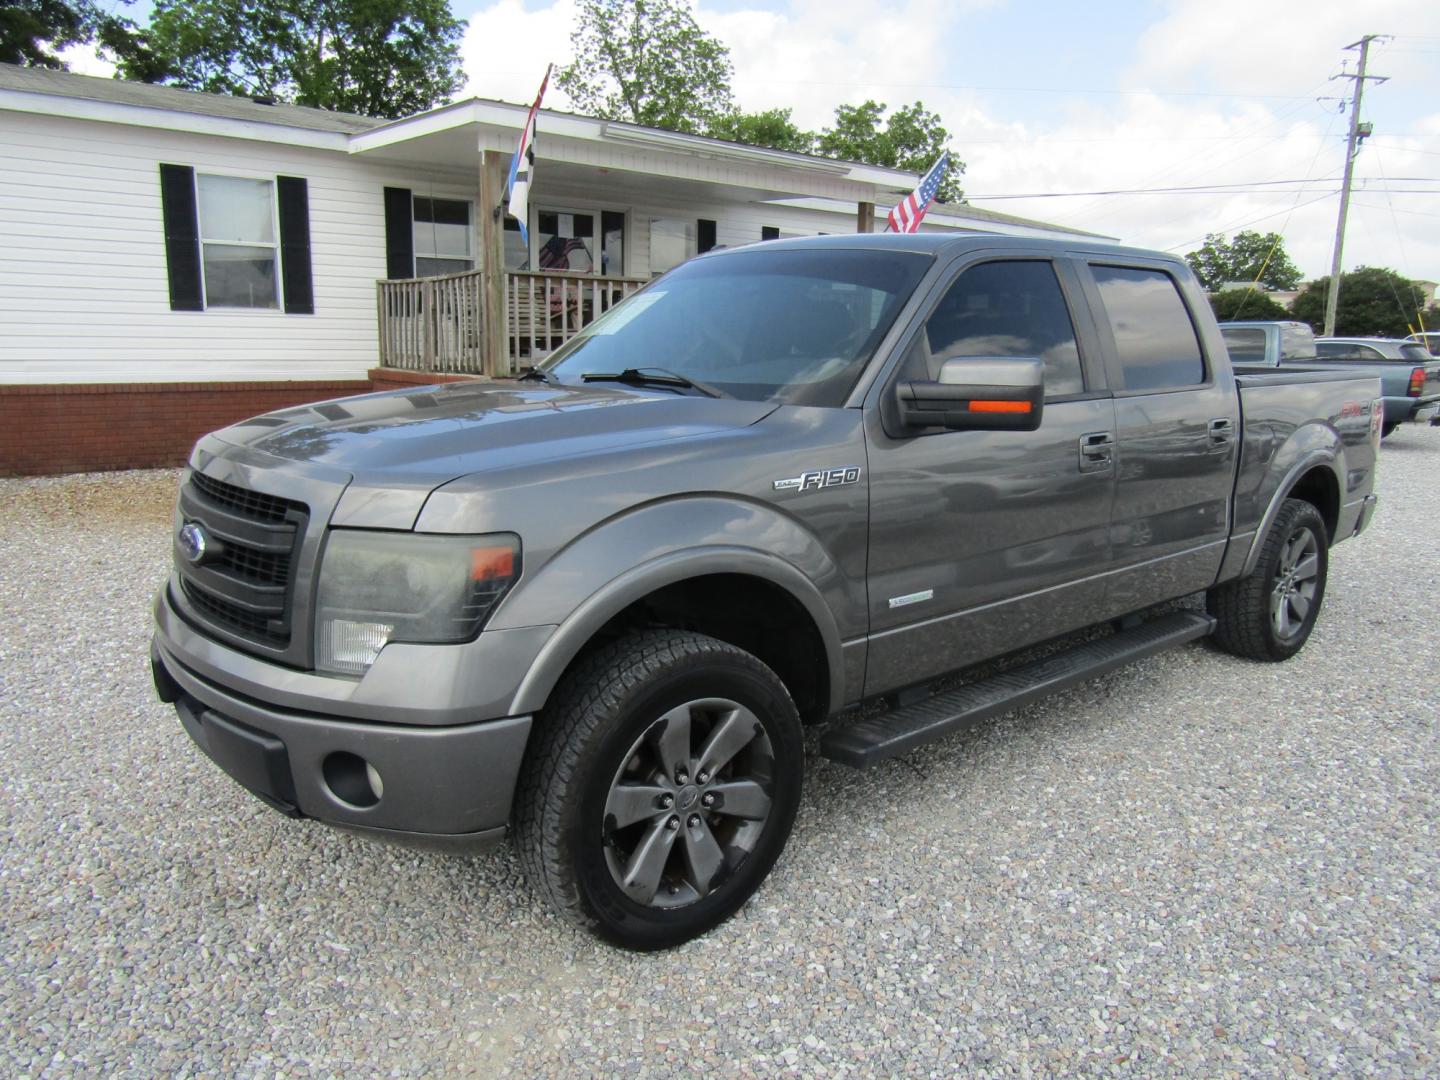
<point>444,238</point>
<point>516,255</point>
<point>237,241</point>
<point>671,243</point>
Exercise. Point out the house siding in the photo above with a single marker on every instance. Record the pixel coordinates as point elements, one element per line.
<point>83,284</point>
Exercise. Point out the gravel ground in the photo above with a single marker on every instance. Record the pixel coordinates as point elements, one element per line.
<point>1195,866</point>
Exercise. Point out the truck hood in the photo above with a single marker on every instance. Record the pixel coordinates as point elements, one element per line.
<point>430,435</point>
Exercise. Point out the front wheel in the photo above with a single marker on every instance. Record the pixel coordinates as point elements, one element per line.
<point>1269,613</point>
<point>660,787</point>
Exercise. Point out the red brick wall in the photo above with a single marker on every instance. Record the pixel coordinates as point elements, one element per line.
<point>98,427</point>
<point>60,428</point>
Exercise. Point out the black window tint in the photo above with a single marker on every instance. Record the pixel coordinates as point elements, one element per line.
<point>1246,344</point>
<point>1336,350</point>
<point>1008,309</point>
<point>1153,334</point>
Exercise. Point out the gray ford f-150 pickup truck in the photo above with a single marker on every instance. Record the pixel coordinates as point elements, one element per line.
<point>594,605</point>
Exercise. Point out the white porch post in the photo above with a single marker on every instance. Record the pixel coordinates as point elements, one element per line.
<point>494,357</point>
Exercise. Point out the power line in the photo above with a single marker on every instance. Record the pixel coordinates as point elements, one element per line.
<point>1252,221</point>
<point>1239,187</point>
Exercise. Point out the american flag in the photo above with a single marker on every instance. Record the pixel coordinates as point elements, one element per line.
<point>906,217</point>
<point>522,166</point>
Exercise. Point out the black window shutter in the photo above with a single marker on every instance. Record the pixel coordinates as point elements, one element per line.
<point>399,233</point>
<point>707,235</point>
<point>295,276</point>
<point>182,237</point>
<point>769,232</point>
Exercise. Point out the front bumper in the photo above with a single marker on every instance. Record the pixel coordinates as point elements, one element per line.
<point>439,787</point>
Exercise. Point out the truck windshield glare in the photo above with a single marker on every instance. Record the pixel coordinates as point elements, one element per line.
<point>790,326</point>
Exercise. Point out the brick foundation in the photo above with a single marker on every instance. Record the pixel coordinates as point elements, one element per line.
<point>90,428</point>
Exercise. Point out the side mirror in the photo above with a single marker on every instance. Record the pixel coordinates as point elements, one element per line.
<point>983,393</point>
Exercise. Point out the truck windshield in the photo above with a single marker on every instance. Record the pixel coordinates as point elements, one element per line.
<point>790,326</point>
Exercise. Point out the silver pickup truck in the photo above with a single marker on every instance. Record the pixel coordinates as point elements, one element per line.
<point>594,606</point>
<point>1409,378</point>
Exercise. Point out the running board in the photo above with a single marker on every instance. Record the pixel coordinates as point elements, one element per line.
<point>877,738</point>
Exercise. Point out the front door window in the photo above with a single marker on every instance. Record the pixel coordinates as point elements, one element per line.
<point>566,242</point>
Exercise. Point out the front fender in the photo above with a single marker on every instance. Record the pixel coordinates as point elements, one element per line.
<point>621,561</point>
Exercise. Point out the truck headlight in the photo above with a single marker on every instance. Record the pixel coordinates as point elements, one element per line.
<point>378,587</point>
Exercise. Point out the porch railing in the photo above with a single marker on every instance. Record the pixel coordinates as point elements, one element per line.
<point>431,324</point>
<point>434,324</point>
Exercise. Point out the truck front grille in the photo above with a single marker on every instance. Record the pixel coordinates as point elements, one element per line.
<point>242,585</point>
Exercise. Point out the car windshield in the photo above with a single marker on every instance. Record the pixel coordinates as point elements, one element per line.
<point>1413,352</point>
<point>794,326</point>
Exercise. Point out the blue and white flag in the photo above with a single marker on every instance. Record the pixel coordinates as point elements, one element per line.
<point>522,166</point>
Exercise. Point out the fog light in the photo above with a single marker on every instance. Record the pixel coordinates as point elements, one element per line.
<point>352,779</point>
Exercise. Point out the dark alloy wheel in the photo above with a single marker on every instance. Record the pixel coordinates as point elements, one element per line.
<point>1269,613</point>
<point>660,787</point>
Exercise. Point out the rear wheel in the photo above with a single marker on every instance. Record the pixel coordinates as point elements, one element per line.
<point>660,788</point>
<point>1269,613</point>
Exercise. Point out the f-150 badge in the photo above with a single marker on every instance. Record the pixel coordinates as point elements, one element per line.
<point>816,479</point>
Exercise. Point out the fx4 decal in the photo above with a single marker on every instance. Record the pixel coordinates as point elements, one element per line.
<point>816,479</point>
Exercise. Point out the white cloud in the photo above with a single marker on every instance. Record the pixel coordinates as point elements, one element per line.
<point>84,60</point>
<point>506,48</point>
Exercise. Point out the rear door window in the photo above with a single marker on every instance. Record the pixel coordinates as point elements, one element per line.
<point>1154,338</point>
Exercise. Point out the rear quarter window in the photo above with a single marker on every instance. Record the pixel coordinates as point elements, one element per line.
<point>1154,338</point>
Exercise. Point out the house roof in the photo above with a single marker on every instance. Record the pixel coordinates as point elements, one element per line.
<point>168,98</point>
<point>447,131</point>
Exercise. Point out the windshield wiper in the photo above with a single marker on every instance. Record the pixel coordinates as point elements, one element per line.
<point>534,374</point>
<point>653,376</point>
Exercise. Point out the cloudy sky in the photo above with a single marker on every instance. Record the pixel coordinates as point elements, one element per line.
<point>1121,94</point>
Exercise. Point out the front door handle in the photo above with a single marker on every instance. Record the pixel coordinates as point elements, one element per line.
<point>1221,430</point>
<point>1097,451</point>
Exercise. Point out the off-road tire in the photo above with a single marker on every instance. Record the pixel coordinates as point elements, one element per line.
<point>1245,625</point>
<point>587,732</point>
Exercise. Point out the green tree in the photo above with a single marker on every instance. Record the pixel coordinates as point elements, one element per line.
<point>911,139</point>
<point>33,32</point>
<point>1231,305</point>
<point>772,128</point>
<point>1251,256</point>
<point>647,62</point>
<point>382,58</point>
<point>1373,301</point>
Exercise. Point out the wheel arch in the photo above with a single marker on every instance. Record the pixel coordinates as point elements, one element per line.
<point>669,590</point>
<point>1316,480</point>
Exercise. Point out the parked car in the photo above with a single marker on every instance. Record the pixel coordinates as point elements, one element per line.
<point>1430,339</point>
<point>1409,378</point>
<point>594,606</point>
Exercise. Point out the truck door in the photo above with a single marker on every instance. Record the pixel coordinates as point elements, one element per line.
<point>1177,419</point>
<point>985,541</point>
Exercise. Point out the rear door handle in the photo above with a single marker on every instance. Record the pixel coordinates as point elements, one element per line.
<point>1097,450</point>
<point>1221,430</point>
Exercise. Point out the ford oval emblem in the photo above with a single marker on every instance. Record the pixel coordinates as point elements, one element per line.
<point>194,543</point>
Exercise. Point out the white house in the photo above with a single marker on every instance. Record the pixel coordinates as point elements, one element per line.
<point>172,261</point>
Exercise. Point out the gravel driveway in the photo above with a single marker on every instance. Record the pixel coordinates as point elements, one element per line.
<point>1194,866</point>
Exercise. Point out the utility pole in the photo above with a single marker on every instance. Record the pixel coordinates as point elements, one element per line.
<point>1357,133</point>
